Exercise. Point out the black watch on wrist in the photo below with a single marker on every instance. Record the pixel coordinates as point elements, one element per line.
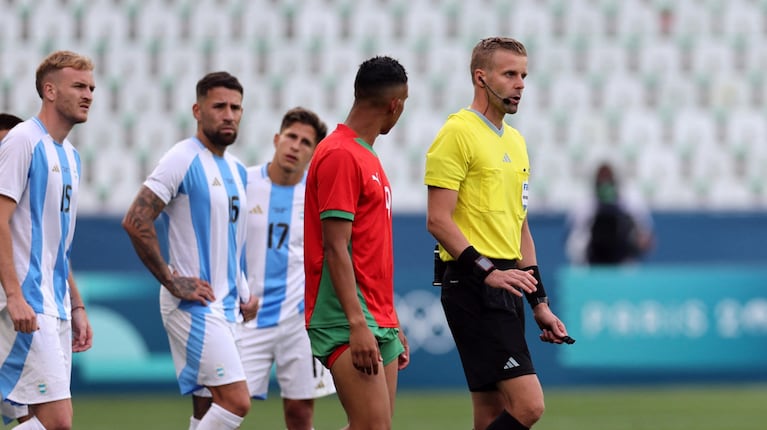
<point>538,300</point>
<point>485,264</point>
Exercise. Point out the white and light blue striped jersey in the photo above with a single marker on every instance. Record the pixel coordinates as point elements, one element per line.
<point>275,247</point>
<point>43,178</point>
<point>205,229</point>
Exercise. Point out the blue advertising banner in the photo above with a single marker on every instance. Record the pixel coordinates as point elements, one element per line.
<point>686,315</point>
<point>665,318</point>
<point>130,345</point>
<point>129,342</point>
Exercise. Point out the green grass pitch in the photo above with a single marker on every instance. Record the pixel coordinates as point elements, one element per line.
<point>655,408</point>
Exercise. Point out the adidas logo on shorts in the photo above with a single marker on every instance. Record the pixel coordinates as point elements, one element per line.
<point>510,364</point>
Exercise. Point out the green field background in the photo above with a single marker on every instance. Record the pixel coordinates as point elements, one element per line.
<point>742,407</point>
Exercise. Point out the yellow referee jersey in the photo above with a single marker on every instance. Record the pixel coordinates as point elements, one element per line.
<point>490,169</point>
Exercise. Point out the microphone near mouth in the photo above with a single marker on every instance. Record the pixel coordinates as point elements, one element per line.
<point>505,100</point>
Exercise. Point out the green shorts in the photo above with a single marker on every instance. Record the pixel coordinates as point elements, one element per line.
<point>329,342</point>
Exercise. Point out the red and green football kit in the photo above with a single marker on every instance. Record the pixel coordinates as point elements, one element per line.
<point>346,181</point>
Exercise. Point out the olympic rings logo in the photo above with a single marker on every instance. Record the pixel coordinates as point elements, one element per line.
<point>423,320</point>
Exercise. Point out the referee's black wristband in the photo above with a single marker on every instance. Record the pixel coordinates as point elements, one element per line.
<point>539,296</point>
<point>471,261</point>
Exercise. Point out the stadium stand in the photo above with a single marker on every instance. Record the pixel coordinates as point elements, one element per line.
<point>673,92</point>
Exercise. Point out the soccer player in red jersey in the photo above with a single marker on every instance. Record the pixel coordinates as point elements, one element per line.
<point>350,315</point>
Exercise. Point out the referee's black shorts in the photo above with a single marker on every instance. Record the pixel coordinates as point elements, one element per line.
<point>488,326</point>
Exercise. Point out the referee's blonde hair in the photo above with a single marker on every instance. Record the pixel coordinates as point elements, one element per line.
<point>482,54</point>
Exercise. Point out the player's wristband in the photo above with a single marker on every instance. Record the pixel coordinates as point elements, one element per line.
<point>539,296</point>
<point>471,261</point>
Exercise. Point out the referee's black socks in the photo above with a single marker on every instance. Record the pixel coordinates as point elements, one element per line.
<point>505,421</point>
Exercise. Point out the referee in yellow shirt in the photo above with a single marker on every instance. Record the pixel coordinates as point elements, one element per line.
<point>477,173</point>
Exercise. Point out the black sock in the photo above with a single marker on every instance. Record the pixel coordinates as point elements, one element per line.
<point>505,421</point>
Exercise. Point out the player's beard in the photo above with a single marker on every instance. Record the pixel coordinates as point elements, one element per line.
<point>219,139</point>
<point>70,112</point>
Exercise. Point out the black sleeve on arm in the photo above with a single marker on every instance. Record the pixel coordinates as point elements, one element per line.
<point>471,261</point>
<point>539,296</point>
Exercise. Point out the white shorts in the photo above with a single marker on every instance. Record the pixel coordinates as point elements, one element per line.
<point>203,349</point>
<point>286,346</point>
<point>37,367</point>
<point>11,412</point>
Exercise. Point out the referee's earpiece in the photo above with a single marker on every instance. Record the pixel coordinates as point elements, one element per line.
<point>505,100</point>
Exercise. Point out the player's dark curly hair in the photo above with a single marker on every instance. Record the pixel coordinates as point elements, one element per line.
<point>215,80</point>
<point>377,75</point>
<point>305,116</point>
<point>8,121</point>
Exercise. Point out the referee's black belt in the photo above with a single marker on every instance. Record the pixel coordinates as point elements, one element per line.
<point>499,263</point>
<point>502,264</point>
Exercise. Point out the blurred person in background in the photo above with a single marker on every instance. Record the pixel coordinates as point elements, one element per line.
<point>7,122</point>
<point>42,315</point>
<point>8,411</point>
<point>350,315</point>
<point>613,227</point>
<point>477,172</point>
<point>278,335</point>
<point>199,189</point>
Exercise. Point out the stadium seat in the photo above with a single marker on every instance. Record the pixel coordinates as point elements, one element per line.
<point>680,79</point>
<point>640,127</point>
<point>742,18</point>
<point>622,91</point>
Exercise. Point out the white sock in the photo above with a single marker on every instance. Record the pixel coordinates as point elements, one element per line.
<point>193,423</point>
<point>31,424</point>
<point>218,418</point>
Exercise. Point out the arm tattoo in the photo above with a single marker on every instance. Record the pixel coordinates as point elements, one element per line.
<point>182,287</point>
<point>139,224</point>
